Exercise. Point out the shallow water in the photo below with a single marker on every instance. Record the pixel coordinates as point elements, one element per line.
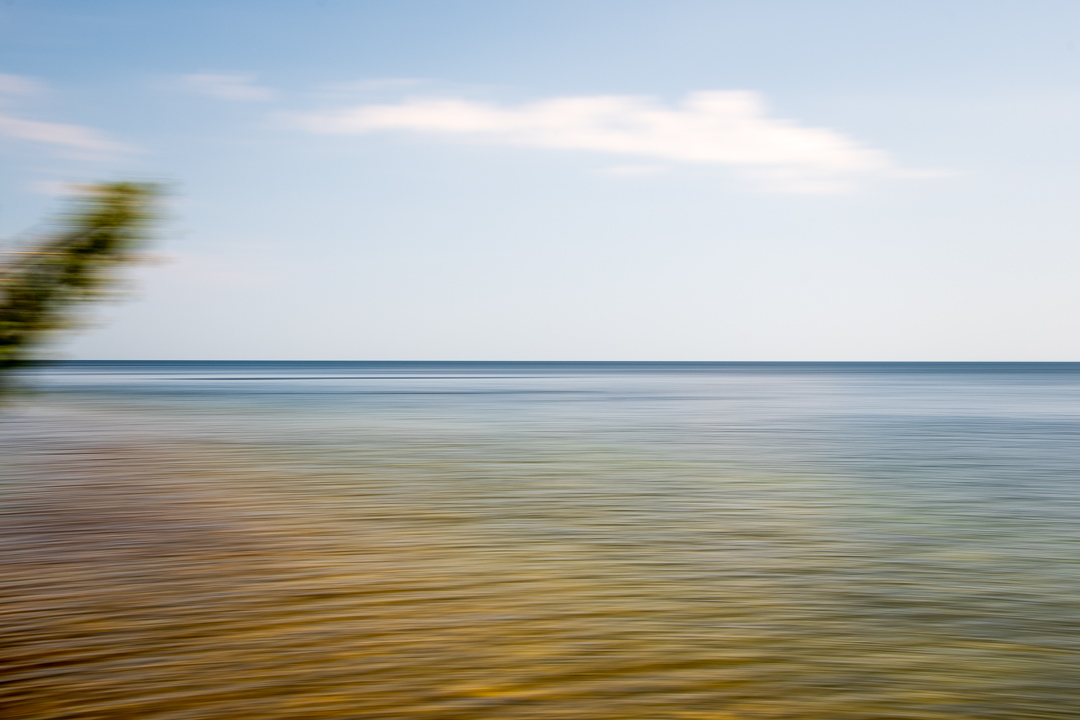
<point>545,540</point>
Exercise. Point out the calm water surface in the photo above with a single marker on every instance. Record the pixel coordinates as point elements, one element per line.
<point>569,540</point>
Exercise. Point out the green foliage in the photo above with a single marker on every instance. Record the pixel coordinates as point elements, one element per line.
<point>40,285</point>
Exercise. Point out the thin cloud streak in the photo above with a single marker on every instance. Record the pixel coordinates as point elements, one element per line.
<point>18,85</point>
<point>74,137</point>
<point>228,87</point>
<point>726,128</point>
<point>87,142</point>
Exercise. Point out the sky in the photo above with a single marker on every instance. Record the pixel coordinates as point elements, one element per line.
<point>695,180</point>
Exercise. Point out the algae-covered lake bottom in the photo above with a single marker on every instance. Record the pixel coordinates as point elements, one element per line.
<point>542,540</point>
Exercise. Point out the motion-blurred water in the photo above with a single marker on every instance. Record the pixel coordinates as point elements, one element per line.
<point>546,540</point>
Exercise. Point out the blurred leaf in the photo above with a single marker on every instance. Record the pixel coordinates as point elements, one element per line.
<point>40,285</point>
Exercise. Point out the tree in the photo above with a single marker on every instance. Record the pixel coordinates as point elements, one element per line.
<point>40,285</point>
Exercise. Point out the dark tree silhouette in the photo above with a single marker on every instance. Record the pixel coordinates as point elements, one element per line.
<point>40,284</point>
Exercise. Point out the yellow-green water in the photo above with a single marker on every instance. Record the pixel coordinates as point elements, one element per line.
<point>531,543</point>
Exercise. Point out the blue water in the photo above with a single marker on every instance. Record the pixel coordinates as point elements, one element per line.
<point>644,540</point>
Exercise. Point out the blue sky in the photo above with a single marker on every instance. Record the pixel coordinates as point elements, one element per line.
<point>548,180</point>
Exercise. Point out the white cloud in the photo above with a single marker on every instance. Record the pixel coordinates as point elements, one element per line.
<point>73,137</point>
<point>728,128</point>
<point>18,85</point>
<point>229,87</point>
<point>84,141</point>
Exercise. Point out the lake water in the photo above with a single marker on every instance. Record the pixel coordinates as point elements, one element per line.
<point>631,541</point>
